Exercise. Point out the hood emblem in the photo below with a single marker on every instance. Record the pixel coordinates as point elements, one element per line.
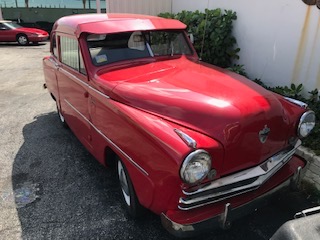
<point>263,134</point>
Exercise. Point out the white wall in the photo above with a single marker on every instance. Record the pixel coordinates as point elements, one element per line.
<point>150,7</point>
<point>279,39</point>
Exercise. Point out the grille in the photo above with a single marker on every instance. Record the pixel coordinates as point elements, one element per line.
<point>235,184</point>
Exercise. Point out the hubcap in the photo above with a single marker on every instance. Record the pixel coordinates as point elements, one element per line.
<point>124,183</point>
<point>22,40</point>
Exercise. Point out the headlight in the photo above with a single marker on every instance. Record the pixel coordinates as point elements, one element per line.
<point>195,167</point>
<point>306,124</point>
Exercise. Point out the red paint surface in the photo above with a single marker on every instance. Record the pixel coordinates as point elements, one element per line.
<point>138,104</point>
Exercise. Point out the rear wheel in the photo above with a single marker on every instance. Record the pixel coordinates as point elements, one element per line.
<point>131,201</point>
<point>22,39</point>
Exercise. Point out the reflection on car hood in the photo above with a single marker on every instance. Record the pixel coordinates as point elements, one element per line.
<point>32,30</point>
<point>210,100</point>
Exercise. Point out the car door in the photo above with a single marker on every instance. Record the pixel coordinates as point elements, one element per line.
<point>51,67</point>
<point>6,33</point>
<point>73,88</point>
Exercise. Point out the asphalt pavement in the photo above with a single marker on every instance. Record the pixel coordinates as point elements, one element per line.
<point>52,188</point>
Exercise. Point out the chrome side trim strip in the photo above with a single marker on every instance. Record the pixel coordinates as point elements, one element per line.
<point>74,77</point>
<point>100,93</point>
<point>53,62</point>
<point>83,83</point>
<point>109,140</point>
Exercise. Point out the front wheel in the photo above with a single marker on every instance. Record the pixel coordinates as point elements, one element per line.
<point>22,39</point>
<point>131,201</point>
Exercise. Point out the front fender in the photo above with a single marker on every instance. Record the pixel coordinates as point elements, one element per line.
<point>152,143</point>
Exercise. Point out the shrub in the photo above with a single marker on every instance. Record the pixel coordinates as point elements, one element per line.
<point>212,31</point>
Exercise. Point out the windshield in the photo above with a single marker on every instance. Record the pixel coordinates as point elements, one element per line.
<point>11,25</point>
<point>110,48</point>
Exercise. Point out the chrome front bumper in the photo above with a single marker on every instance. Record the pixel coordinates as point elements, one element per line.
<point>229,214</point>
<point>235,184</point>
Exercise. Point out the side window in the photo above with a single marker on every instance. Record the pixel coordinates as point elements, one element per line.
<point>3,27</point>
<point>70,54</point>
<point>54,48</point>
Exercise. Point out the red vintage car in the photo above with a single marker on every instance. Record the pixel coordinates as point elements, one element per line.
<point>194,143</point>
<point>13,32</point>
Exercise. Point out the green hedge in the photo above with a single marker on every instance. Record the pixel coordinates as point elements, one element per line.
<point>212,30</point>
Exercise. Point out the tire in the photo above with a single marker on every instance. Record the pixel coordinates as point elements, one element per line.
<point>129,196</point>
<point>22,39</point>
<point>61,117</point>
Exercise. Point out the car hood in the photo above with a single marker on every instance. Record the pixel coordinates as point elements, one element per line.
<point>216,102</point>
<point>32,30</point>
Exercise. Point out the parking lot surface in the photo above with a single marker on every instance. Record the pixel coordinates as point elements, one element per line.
<point>52,188</point>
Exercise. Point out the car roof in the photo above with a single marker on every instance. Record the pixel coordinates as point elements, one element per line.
<point>113,23</point>
<point>4,21</point>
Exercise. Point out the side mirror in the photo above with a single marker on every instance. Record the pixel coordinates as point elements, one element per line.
<point>190,35</point>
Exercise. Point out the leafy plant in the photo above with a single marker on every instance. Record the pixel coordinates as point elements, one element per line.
<point>294,91</point>
<point>238,69</point>
<point>212,31</point>
<point>314,95</point>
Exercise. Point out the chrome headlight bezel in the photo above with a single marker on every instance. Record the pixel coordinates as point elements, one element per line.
<point>307,120</point>
<point>201,157</point>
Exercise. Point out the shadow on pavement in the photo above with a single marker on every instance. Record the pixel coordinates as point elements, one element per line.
<point>14,44</point>
<point>61,192</point>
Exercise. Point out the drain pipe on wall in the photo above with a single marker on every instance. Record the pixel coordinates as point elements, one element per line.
<point>1,18</point>
<point>98,6</point>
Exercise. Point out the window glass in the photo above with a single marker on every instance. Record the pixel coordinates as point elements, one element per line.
<point>10,25</point>
<point>54,49</point>
<point>82,68</point>
<point>168,43</point>
<point>70,54</point>
<point>2,26</point>
<point>109,48</point>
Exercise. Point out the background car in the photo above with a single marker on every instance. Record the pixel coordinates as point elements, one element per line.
<point>13,32</point>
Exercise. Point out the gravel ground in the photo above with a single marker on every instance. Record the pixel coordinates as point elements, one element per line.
<point>52,188</point>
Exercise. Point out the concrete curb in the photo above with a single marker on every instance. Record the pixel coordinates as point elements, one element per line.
<point>313,171</point>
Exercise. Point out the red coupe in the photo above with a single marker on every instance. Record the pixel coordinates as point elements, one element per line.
<point>194,143</point>
<point>13,32</point>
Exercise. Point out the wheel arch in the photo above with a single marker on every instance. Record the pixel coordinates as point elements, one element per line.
<point>110,157</point>
<point>142,184</point>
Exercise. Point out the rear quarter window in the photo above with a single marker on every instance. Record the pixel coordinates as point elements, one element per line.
<point>70,54</point>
